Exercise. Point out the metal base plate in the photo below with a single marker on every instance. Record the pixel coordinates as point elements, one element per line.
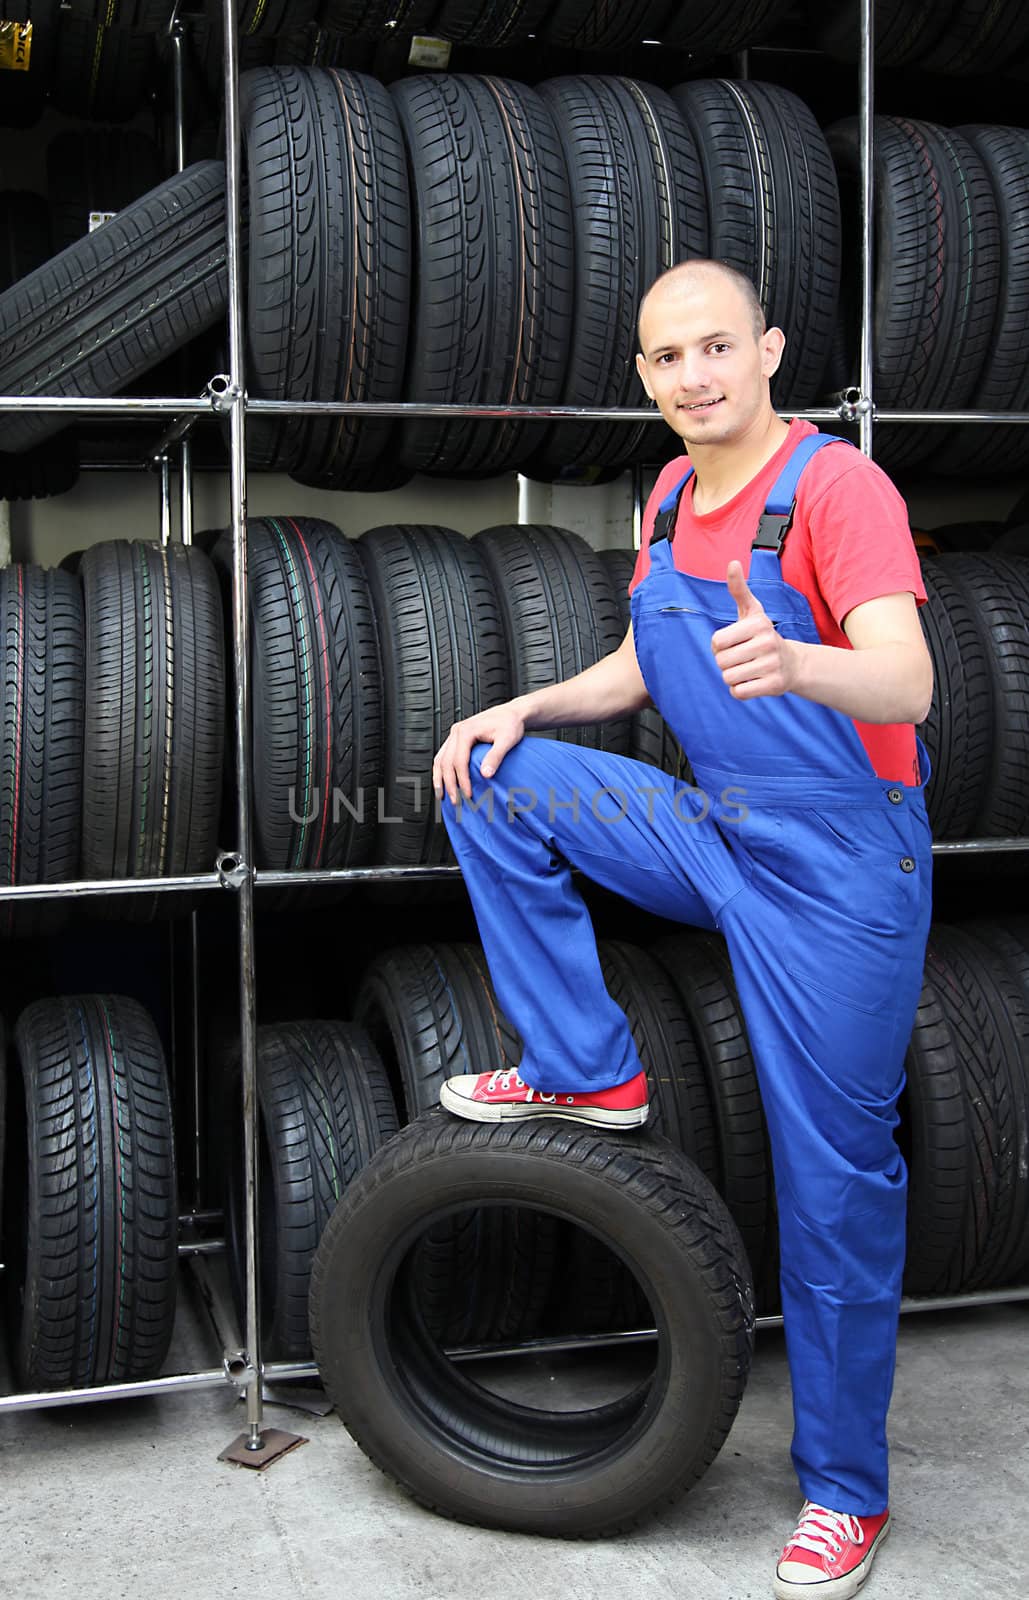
<point>274,1444</point>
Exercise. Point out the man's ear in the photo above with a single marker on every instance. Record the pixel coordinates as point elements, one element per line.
<point>773,343</point>
<point>641,368</point>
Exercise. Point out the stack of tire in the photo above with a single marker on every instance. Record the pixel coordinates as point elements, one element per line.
<point>89,1220</point>
<point>951,314</point>
<point>331,1093</point>
<point>112,716</point>
<point>950,38</point>
<point>366,651</point>
<point>552,210</point>
<point>976,624</point>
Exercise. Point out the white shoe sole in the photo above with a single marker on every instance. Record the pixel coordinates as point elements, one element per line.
<point>831,1588</point>
<point>593,1117</point>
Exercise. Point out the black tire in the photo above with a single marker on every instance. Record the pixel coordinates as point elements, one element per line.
<point>155,712</point>
<point>699,967</point>
<point>316,694</point>
<point>774,212</point>
<point>42,695</point>
<point>369,18</point>
<point>1004,384</point>
<point>489,22</point>
<point>1014,541</point>
<point>314,46</point>
<point>111,306</point>
<point>937,271</point>
<point>102,74</point>
<point>462,1450</point>
<point>146,16</point>
<point>904,29</point>
<point>330,265</point>
<point>27,85</point>
<point>96,170</point>
<point>443,658</point>
<point>999,595</point>
<point>680,1102</point>
<point>269,17</point>
<point>602,24</point>
<point>25,243</point>
<point>638,207</point>
<point>560,614</point>
<point>934,1137</point>
<point>325,1109</point>
<point>987,1009</point>
<point>90,1210</point>
<point>431,1012</point>
<point>1008,943</point>
<point>715,31</point>
<point>492,309</point>
<point>980,37</point>
<point>959,728</point>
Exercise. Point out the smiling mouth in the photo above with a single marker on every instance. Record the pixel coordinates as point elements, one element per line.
<point>703,405</point>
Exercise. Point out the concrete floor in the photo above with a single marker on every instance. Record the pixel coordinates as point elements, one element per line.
<point>128,1501</point>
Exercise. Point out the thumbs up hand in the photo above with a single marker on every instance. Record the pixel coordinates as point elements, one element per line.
<point>753,658</point>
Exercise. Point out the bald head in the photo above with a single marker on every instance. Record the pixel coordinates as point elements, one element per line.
<point>689,276</point>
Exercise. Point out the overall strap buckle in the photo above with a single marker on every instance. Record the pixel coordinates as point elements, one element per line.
<point>772,529</point>
<point>777,517</point>
<point>668,512</point>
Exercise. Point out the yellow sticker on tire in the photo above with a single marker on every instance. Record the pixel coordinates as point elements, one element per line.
<point>15,46</point>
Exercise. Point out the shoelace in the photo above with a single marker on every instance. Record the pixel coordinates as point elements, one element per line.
<point>504,1075</point>
<point>821,1531</point>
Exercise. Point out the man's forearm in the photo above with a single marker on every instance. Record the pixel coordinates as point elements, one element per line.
<point>612,688</point>
<point>883,683</point>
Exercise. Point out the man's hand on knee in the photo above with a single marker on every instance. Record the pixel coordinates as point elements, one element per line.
<point>500,727</point>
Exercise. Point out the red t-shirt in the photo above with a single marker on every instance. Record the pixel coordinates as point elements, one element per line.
<point>850,542</point>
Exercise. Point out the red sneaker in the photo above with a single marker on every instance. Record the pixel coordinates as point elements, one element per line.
<point>828,1554</point>
<point>503,1097</point>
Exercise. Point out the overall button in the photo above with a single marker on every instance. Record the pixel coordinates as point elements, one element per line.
<point>906,864</point>
<point>895,796</point>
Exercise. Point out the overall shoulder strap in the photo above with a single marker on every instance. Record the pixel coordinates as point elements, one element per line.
<point>668,510</point>
<point>777,518</point>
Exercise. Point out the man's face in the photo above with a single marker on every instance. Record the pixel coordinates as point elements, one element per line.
<point>702,361</point>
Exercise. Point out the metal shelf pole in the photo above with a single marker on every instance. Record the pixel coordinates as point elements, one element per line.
<point>247,979</point>
<point>867,129</point>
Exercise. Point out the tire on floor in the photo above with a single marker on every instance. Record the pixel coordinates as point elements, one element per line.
<point>468,1451</point>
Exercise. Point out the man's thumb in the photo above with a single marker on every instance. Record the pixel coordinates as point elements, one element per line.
<point>746,603</point>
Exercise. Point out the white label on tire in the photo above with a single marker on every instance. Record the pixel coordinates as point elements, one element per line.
<point>98,218</point>
<point>429,53</point>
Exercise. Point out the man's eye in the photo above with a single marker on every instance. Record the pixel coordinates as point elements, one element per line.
<point>718,348</point>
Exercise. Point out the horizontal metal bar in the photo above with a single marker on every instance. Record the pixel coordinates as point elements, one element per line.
<point>127,406</point>
<point>85,888</point>
<point>970,847</point>
<point>201,1219</point>
<point>535,1347</point>
<point>278,1371</point>
<point>312,877</point>
<point>1018,418</point>
<point>413,408</point>
<point>202,1247</point>
<point>40,1400</point>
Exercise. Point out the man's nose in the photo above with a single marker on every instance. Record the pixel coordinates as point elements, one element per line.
<point>693,374</point>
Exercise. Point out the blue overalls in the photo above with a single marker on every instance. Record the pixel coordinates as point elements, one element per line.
<point>818,873</point>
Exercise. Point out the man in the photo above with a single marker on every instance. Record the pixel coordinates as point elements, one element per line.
<point>775,626</point>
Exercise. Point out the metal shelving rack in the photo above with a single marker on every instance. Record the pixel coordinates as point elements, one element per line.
<point>225,396</point>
